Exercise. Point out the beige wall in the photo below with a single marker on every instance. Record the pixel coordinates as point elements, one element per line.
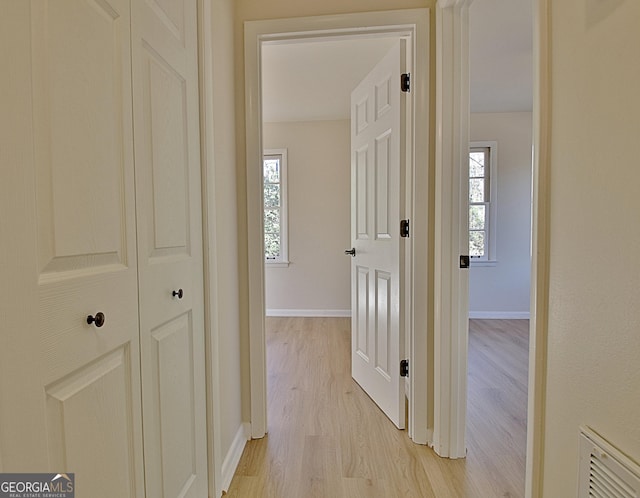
<point>251,10</point>
<point>318,185</point>
<point>225,313</point>
<point>593,365</point>
<point>503,289</point>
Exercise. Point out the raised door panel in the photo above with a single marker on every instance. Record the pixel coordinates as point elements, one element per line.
<point>382,92</point>
<point>89,416</point>
<point>361,114</point>
<point>82,135</point>
<point>173,387</point>
<point>382,325</point>
<point>361,193</point>
<point>166,203</point>
<point>362,315</point>
<point>382,195</point>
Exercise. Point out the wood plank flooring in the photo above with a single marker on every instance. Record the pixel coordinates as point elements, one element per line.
<point>328,439</point>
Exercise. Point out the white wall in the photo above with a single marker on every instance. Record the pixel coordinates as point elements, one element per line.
<point>502,291</point>
<point>225,313</point>
<point>318,279</point>
<point>593,367</point>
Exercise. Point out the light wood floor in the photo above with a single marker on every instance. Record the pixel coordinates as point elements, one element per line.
<point>328,439</point>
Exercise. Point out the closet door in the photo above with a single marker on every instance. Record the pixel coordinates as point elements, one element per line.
<point>169,218</point>
<point>70,384</point>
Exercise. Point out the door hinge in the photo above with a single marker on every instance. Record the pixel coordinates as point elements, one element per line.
<point>405,82</point>
<point>404,368</point>
<point>464,261</point>
<point>404,228</point>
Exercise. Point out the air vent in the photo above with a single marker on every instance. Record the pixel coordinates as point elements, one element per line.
<point>605,472</point>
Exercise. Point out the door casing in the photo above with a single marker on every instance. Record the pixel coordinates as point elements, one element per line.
<point>452,28</point>
<point>412,24</point>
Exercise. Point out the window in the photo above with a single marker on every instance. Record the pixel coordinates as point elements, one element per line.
<point>275,207</point>
<point>482,205</point>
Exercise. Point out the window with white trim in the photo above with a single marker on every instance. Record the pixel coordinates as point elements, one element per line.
<point>482,201</point>
<point>274,197</point>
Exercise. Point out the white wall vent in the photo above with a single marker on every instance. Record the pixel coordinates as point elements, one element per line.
<point>605,472</point>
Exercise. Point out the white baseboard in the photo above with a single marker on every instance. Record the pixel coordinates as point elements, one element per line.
<point>499,315</point>
<point>232,458</point>
<point>309,313</point>
<point>486,315</point>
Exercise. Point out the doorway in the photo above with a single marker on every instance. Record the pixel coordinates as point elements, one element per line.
<point>343,191</point>
<point>500,182</point>
<point>409,24</point>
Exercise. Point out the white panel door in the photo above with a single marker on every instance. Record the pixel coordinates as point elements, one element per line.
<point>376,138</point>
<point>70,389</point>
<point>168,183</point>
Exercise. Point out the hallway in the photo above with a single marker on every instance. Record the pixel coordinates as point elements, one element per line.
<point>328,439</point>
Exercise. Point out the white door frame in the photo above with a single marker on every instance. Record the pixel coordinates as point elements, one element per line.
<point>539,247</point>
<point>452,120</point>
<point>451,283</point>
<point>411,23</point>
<point>210,248</point>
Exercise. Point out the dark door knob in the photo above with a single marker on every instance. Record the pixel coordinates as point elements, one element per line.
<point>178,293</point>
<point>351,251</point>
<point>97,320</point>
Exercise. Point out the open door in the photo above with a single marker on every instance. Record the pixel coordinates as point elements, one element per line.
<point>376,169</point>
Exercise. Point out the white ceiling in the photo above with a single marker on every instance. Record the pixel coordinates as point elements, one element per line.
<point>313,80</point>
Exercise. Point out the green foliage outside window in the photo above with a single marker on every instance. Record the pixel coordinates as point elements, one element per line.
<point>272,209</point>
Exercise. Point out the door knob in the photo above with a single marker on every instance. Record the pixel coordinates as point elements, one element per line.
<point>97,320</point>
<point>351,251</point>
<point>178,293</point>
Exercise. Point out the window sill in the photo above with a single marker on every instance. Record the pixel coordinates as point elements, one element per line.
<point>276,264</point>
<point>483,263</point>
